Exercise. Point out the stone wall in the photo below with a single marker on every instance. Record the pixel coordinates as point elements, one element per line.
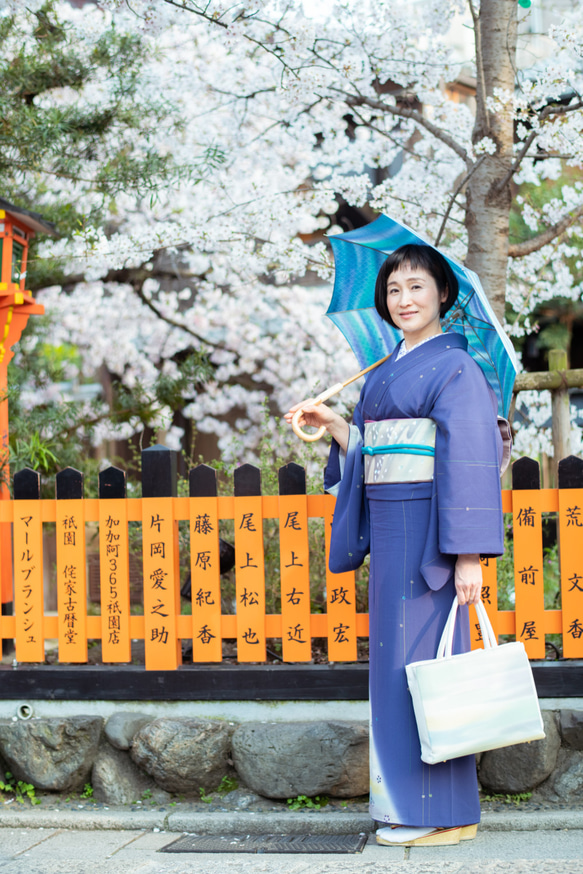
<point>132,753</point>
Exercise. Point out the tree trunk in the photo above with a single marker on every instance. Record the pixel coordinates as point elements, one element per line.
<point>487,204</point>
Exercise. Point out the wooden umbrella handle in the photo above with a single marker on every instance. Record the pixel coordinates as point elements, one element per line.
<point>311,438</point>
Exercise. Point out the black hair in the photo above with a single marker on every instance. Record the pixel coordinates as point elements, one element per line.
<point>422,257</point>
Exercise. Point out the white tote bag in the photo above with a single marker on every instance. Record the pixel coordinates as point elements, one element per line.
<point>474,701</point>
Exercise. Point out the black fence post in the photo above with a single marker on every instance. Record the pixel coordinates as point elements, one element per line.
<point>26,485</point>
<point>292,479</point>
<point>571,472</point>
<point>69,485</point>
<point>525,474</point>
<point>202,482</point>
<point>158,472</point>
<point>247,481</point>
<point>112,483</point>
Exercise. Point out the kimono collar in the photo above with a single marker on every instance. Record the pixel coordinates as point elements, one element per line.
<point>424,351</point>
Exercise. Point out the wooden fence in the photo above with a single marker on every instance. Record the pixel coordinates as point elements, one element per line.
<point>163,627</point>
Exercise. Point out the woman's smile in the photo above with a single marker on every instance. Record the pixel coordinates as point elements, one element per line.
<point>414,302</point>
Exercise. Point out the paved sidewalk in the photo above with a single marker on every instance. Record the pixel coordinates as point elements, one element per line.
<point>109,842</point>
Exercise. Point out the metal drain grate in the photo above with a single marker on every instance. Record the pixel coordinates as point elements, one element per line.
<point>267,844</point>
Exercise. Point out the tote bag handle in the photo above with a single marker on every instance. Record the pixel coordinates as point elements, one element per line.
<point>444,650</point>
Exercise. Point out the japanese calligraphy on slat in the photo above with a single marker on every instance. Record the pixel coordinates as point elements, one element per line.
<point>71,581</point>
<point>341,605</point>
<point>28,582</point>
<point>163,650</point>
<point>489,600</point>
<point>207,645</point>
<point>571,542</point>
<point>115,580</point>
<point>250,579</point>
<point>295,578</point>
<point>528,571</point>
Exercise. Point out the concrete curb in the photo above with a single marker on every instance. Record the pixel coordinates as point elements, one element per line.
<point>267,822</point>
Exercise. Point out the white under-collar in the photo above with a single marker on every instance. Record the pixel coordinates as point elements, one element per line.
<point>404,351</point>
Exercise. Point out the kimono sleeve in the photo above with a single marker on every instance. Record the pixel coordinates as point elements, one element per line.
<point>344,477</point>
<point>468,453</point>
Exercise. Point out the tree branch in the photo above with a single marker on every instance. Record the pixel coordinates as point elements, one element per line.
<point>212,20</point>
<point>453,197</point>
<point>544,114</point>
<point>169,321</point>
<point>415,116</point>
<point>520,250</point>
<point>480,79</point>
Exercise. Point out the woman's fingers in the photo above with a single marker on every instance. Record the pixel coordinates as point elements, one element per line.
<point>311,414</point>
<point>301,406</point>
<point>468,579</point>
<point>468,594</point>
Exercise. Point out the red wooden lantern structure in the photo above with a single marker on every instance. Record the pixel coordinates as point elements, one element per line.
<point>17,228</point>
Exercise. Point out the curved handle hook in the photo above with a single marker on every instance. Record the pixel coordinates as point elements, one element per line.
<point>309,438</point>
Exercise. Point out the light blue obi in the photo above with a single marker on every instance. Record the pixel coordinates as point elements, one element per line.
<point>399,451</point>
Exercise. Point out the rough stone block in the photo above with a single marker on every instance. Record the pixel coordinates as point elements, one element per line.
<point>117,780</point>
<point>51,753</point>
<point>303,758</point>
<point>521,767</point>
<point>121,727</point>
<point>572,729</point>
<point>565,784</point>
<point>184,754</point>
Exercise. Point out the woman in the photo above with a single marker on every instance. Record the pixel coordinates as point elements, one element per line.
<point>426,529</point>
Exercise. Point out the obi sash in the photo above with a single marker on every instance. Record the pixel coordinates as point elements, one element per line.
<point>399,451</point>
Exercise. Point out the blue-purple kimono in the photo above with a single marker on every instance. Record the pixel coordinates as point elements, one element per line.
<point>416,531</point>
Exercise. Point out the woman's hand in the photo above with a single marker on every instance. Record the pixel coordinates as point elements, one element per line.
<point>468,579</point>
<point>317,415</point>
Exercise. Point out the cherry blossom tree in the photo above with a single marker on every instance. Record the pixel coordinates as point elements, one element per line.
<point>320,120</point>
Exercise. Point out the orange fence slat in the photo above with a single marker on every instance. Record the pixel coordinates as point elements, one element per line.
<point>295,578</point>
<point>205,580</point>
<point>340,605</point>
<point>28,582</point>
<point>71,580</point>
<point>163,650</point>
<point>114,573</point>
<point>571,549</point>
<point>250,579</point>
<point>528,571</point>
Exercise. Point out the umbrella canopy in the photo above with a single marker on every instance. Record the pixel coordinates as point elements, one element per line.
<point>358,256</point>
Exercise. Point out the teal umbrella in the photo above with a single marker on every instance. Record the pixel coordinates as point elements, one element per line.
<point>358,256</point>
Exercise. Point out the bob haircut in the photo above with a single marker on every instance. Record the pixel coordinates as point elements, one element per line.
<point>422,257</point>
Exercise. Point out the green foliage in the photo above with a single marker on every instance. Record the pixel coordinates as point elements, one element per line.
<point>87,791</point>
<point>303,802</point>
<point>206,799</point>
<point>57,432</point>
<point>509,799</point>
<point>103,148</point>
<point>227,784</point>
<point>19,789</point>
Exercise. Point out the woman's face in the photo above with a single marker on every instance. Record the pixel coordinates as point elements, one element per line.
<point>413,301</point>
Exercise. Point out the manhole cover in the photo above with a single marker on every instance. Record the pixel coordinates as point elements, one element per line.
<point>267,844</point>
